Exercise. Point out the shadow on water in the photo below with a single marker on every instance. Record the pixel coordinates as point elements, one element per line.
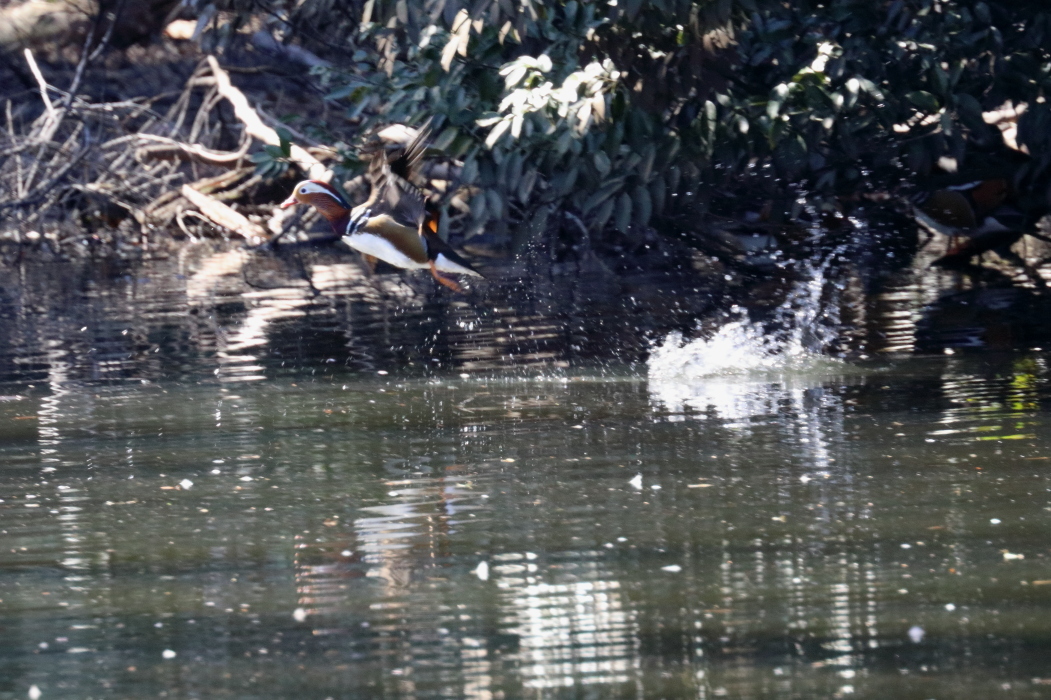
<point>238,314</point>
<point>197,502</point>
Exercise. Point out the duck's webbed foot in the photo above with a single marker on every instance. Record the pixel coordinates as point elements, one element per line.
<point>445,280</point>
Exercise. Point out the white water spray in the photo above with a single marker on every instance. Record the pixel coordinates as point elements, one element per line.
<point>731,371</point>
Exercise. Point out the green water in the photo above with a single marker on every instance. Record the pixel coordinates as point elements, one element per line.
<point>582,535</point>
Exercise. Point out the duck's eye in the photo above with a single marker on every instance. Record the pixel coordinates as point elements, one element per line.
<point>302,190</point>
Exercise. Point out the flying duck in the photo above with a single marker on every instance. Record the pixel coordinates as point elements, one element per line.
<point>394,224</point>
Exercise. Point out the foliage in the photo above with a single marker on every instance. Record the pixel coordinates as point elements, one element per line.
<point>273,161</point>
<point>626,112</point>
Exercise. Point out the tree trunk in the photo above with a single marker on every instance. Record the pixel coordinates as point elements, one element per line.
<point>36,22</point>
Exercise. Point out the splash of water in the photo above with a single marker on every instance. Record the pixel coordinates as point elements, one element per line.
<point>793,339</point>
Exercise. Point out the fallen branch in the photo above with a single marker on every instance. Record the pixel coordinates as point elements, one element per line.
<point>255,127</point>
<point>222,215</point>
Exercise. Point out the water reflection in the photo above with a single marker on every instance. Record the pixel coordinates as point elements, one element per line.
<point>784,535</point>
<point>732,523</point>
<point>242,316</point>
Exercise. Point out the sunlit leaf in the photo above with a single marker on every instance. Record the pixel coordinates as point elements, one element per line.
<point>499,130</point>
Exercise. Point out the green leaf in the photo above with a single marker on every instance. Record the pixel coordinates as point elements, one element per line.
<point>923,100</point>
<point>494,203</point>
<point>602,214</point>
<point>649,153</point>
<point>622,216</point>
<point>525,185</point>
<point>445,138</point>
<point>658,192</point>
<point>285,139</point>
<point>602,194</point>
<point>601,162</point>
<point>478,208</point>
<point>642,204</point>
<point>970,111</point>
<point>347,90</point>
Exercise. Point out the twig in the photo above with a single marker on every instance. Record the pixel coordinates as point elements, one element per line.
<point>182,224</point>
<point>171,147</point>
<point>46,187</point>
<point>41,82</point>
<point>85,51</point>
<point>18,160</point>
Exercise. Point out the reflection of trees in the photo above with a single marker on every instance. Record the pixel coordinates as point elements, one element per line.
<point>238,314</point>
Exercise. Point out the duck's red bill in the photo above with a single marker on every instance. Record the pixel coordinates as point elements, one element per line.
<point>291,201</point>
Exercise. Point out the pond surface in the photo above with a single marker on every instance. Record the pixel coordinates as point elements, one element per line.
<point>232,527</point>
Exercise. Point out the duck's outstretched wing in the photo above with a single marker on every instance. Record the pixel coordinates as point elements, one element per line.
<point>405,163</point>
<point>391,174</point>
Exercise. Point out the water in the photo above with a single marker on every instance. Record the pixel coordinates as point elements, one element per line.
<point>197,509</point>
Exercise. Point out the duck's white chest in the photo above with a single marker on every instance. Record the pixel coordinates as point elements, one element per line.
<point>380,247</point>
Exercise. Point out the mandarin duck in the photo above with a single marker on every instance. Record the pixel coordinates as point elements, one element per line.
<point>978,216</point>
<point>989,205</point>
<point>965,209</point>
<point>395,224</point>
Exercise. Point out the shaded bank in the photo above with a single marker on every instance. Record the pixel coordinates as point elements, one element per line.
<point>715,119</point>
